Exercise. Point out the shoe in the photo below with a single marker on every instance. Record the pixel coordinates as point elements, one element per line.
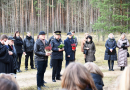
<point>112,69</point>
<point>17,71</point>
<point>33,68</point>
<point>58,78</point>
<point>45,86</point>
<point>109,69</point>
<point>53,80</point>
<point>44,81</point>
<point>20,71</point>
<point>26,69</point>
<point>38,88</point>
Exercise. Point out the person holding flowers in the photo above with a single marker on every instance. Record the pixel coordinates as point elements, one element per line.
<point>70,48</point>
<point>57,56</point>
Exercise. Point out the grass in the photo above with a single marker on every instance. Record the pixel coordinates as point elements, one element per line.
<point>100,50</point>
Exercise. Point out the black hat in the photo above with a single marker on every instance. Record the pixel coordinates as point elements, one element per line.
<point>72,31</point>
<point>90,37</point>
<point>57,32</point>
<point>69,33</point>
<point>11,38</point>
<point>42,33</point>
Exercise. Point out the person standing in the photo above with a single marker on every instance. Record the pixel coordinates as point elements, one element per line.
<point>69,53</point>
<point>90,49</point>
<point>4,55</point>
<point>57,56</point>
<point>123,45</point>
<point>28,47</point>
<point>18,43</point>
<point>110,52</point>
<point>41,57</point>
<point>50,40</point>
<point>13,55</point>
<point>82,44</point>
<point>75,41</point>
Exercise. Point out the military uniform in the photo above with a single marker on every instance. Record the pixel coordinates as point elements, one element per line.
<point>57,58</point>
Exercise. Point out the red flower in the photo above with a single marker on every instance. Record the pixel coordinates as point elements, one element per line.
<point>48,48</point>
<point>73,45</point>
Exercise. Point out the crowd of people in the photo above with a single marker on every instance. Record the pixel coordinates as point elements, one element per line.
<point>76,76</point>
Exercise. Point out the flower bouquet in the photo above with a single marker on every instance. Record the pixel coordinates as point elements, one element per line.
<point>61,46</point>
<point>48,49</point>
<point>73,46</point>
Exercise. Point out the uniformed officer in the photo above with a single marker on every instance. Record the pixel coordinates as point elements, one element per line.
<point>41,57</point>
<point>57,56</point>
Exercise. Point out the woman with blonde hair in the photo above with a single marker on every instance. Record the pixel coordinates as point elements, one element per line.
<point>77,77</point>
<point>96,74</point>
<point>124,83</point>
<point>110,52</point>
<point>8,82</point>
<point>123,45</point>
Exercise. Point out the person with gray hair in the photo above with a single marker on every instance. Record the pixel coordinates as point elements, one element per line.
<point>123,45</point>
<point>28,47</point>
<point>110,53</point>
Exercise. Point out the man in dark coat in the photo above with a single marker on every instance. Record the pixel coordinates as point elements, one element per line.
<point>50,40</point>
<point>41,57</point>
<point>28,47</point>
<point>4,55</point>
<point>69,53</point>
<point>57,56</point>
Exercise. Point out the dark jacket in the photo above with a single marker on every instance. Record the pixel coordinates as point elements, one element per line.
<point>28,44</point>
<point>55,50</point>
<point>110,44</point>
<point>68,49</point>
<point>98,81</point>
<point>4,58</point>
<point>90,57</point>
<point>51,39</point>
<point>14,56</point>
<point>18,45</point>
<point>39,50</point>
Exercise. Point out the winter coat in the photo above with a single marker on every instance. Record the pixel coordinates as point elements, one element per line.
<point>56,54</point>
<point>39,50</point>
<point>14,56</point>
<point>110,44</point>
<point>90,57</point>
<point>98,81</point>
<point>28,44</point>
<point>68,49</point>
<point>122,53</point>
<point>4,59</point>
<point>18,45</point>
<point>51,39</point>
<point>82,44</point>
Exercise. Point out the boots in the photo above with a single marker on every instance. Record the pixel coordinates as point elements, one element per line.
<point>109,65</point>
<point>85,60</point>
<point>121,68</point>
<point>112,63</point>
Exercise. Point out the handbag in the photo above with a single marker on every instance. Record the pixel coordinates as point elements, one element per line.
<point>128,55</point>
<point>86,52</point>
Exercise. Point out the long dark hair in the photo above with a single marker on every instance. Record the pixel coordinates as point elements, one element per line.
<point>16,33</point>
<point>90,37</point>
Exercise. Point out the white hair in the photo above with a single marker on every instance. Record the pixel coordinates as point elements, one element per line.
<point>110,34</point>
<point>122,35</point>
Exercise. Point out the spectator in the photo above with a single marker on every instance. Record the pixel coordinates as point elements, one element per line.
<point>89,50</point>
<point>110,53</point>
<point>77,77</point>
<point>18,43</point>
<point>96,74</point>
<point>123,45</point>
<point>8,82</point>
<point>28,47</point>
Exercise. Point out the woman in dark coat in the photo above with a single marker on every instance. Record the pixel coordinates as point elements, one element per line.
<point>18,43</point>
<point>89,50</point>
<point>69,53</point>
<point>110,53</point>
